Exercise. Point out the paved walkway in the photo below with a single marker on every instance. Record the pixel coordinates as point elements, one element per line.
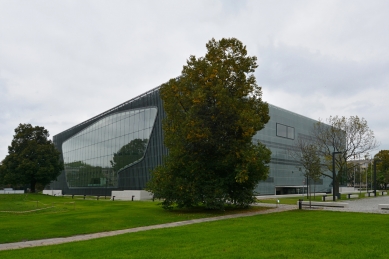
<point>61,240</point>
<point>368,205</point>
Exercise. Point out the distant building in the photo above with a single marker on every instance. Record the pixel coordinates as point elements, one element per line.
<point>117,149</point>
<point>360,173</point>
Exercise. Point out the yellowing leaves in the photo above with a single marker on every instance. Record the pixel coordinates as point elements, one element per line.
<point>209,143</point>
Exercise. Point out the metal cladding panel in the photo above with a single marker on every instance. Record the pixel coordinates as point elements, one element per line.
<point>280,135</point>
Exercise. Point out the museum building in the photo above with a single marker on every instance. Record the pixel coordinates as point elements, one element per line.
<point>117,149</point>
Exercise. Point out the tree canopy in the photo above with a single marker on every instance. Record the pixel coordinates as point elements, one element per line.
<point>212,112</point>
<point>306,153</point>
<point>350,136</point>
<point>382,158</point>
<point>32,158</point>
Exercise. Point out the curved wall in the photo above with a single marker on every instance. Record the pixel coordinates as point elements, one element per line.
<point>96,155</point>
<point>114,150</point>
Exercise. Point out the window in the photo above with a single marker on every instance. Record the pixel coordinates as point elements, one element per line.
<point>285,131</point>
<point>121,143</point>
<point>281,130</point>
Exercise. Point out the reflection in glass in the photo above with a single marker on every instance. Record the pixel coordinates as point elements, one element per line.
<point>281,130</point>
<point>94,156</point>
<point>291,132</point>
<point>128,154</point>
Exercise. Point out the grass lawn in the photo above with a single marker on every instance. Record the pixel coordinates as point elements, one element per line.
<point>64,216</point>
<point>293,234</point>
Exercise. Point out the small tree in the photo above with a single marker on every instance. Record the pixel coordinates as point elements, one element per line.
<point>213,110</point>
<point>306,153</point>
<point>350,136</point>
<point>32,158</point>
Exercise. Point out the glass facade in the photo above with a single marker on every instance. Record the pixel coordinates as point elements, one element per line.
<point>96,155</point>
<point>117,149</point>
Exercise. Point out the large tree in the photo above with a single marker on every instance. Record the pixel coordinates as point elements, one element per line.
<point>213,110</point>
<point>351,136</point>
<point>32,158</point>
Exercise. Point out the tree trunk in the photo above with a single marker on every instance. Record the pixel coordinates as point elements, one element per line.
<point>32,186</point>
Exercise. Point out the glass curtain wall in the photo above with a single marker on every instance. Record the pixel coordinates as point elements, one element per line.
<point>96,155</point>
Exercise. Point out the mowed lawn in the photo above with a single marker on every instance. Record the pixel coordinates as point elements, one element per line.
<point>293,234</point>
<point>47,216</point>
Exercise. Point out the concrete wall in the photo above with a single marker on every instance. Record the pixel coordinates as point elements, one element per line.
<point>11,191</point>
<point>346,190</point>
<point>53,192</point>
<point>127,195</point>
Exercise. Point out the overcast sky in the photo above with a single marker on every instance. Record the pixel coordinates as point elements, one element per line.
<point>62,62</point>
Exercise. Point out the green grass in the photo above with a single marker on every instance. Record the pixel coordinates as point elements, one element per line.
<point>294,234</point>
<point>64,216</point>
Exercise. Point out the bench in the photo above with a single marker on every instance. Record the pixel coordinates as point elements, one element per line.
<point>352,196</point>
<point>324,204</point>
<point>383,206</point>
<point>369,193</point>
<point>329,198</point>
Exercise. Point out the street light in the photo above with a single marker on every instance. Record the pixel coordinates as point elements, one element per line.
<point>333,174</point>
<point>375,176</point>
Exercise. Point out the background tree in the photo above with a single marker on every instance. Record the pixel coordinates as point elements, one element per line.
<point>382,168</point>
<point>32,158</point>
<point>213,110</point>
<point>351,136</point>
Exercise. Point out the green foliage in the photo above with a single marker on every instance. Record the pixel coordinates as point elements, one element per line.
<point>32,158</point>
<point>213,110</point>
<point>311,162</point>
<point>382,168</point>
<point>308,156</point>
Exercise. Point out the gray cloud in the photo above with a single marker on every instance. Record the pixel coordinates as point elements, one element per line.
<point>297,69</point>
<point>62,62</point>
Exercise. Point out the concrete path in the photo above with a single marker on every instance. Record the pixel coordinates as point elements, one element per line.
<point>367,205</point>
<point>61,240</point>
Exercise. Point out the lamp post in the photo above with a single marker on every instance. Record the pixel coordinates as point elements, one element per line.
<point>307,187</point>
<point>333,174</point>
<point>375,176</point>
